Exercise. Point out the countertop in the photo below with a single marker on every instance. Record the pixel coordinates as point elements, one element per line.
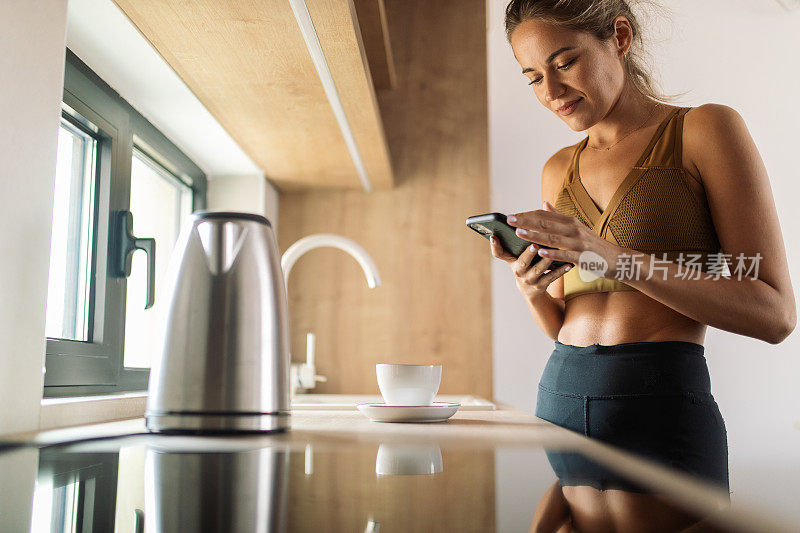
<point>339,471</point>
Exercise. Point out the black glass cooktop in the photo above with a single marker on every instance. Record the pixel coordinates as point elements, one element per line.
<point>170,483</point>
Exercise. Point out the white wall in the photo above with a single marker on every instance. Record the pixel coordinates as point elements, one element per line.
<point>249,193</point>
<point>742,54</point>
<point>18,470</point>
<point>32,63</point>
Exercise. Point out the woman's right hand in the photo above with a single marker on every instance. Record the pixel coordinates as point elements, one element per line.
<point>532,281</point>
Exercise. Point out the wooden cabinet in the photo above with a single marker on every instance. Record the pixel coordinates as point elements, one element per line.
<point>249,64</point>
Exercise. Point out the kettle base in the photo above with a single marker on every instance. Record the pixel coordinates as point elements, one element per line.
<point>192,422</point>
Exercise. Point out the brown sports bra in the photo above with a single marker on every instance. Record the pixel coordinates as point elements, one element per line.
<point>653,211</point>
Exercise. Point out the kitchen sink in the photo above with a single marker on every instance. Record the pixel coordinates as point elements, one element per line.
<point>349,401</point>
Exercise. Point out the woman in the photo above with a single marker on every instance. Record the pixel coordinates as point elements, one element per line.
<point>649,189</point>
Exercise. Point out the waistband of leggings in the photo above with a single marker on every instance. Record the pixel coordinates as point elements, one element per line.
<point>633,368</point>
<point>624,348</point>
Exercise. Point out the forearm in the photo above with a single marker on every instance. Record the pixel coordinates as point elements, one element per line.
<point>548,312</point>
<point>747,306</point>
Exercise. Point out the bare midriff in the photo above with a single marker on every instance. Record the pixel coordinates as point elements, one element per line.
<point>609,318</point>
<point>615,510</point>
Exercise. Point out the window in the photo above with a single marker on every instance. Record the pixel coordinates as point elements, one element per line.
<point>68,293</point>
<point>160,200</point>
<point>113,167</point>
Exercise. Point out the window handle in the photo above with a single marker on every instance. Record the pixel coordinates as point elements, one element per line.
<point>127,244</point>
<point>138,526</point>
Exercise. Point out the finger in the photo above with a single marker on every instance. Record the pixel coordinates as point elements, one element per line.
<point>543,279</point>
<point>542,264</point>
<point>569,256</point>
<point>551,239</point>
<point>541,220</point>
<point>528,255</point>
<point>538,268</point>
<point>556,273</point>
<point>499,252</point>
<point>525,259</point>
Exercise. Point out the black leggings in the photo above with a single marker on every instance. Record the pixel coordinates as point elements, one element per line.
<point>650,398</point>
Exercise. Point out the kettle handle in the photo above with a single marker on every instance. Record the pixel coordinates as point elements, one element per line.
<point>126,245</point>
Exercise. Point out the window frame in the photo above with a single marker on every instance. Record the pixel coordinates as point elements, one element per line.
<point>96,509</point>
<point>76,124</point>
<point>96,366</point>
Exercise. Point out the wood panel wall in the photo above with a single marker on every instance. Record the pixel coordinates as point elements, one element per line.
<point>434,304</point>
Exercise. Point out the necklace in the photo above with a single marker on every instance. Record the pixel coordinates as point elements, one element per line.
<point>624,136</point>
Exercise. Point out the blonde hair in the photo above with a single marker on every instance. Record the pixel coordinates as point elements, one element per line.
<point>595,17</point>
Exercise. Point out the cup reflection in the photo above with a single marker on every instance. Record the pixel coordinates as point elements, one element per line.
<point>408,460</point>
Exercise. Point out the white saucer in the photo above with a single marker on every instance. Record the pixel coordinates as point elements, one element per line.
<point>437,412</point>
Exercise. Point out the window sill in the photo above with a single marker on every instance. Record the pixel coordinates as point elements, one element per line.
<point>77,410</point>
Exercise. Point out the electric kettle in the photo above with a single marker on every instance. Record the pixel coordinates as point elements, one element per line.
<point>223,364</point>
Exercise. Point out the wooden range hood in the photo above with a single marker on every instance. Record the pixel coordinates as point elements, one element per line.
<point>248,63</point>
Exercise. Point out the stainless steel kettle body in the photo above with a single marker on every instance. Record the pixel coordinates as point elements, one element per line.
<point>224,360</point>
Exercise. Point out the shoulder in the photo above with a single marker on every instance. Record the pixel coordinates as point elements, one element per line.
<point>711,118</point>
<point>719,146</point>
<point>708,129</point>
<point>561,159</point>
<point>555,171</point>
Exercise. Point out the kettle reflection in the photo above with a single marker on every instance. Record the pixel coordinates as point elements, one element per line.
<point>230,492</point>
<point>408,460</point>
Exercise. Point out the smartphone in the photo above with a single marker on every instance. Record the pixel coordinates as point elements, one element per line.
<point>495,224</point>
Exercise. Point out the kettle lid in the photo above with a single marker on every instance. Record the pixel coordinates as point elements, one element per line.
<point>211,215</point>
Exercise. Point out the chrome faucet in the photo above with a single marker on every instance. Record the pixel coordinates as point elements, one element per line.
<point>303,375</point>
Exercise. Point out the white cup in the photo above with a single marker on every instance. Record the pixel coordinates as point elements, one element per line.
<point>408,384</point>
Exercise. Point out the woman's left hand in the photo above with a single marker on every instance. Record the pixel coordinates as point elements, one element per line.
<point>572,238</point>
